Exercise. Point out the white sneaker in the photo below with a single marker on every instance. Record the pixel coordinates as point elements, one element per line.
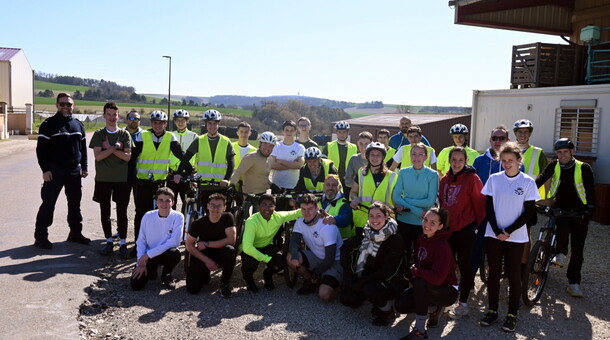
<point>574,290</point>
<point>458,311</point>
<point>559,260</point>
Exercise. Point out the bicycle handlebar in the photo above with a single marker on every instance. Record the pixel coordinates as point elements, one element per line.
<point>559,212</point>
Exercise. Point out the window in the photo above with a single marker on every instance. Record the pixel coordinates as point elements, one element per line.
<point>581,125</point>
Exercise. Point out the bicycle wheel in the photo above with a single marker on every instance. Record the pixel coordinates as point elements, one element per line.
<point>535,274</point>
<point>190,216</point>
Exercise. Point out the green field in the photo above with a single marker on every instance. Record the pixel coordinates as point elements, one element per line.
<point>40,85</point>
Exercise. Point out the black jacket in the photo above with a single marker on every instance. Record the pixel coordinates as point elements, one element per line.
<point>62,144</point>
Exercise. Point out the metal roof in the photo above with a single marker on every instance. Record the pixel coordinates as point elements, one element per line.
<point>7,53</point>
<point>393,119</point>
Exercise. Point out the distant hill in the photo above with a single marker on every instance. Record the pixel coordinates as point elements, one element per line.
<point>250,101</point>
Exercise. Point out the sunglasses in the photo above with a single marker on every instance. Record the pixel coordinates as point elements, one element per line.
<point>497,138</point>
<point>133,118</point>
<point>64,104</point>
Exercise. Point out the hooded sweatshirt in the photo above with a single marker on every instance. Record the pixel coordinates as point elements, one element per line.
<point>461,195</point>
<point>487,164</point>
<point>434,260</point>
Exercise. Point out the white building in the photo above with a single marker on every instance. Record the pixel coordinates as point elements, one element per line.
<point>16,92</point>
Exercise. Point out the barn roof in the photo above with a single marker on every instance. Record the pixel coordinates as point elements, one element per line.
<point>7,53</point>
<point>383,120</point>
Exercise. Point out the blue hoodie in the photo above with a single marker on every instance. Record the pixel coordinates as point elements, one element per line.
<point>487,165</point>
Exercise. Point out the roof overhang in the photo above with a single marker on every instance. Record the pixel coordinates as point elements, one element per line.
<point>536,16</point>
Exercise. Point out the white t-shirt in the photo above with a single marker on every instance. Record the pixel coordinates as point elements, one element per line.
<point>319,236</point>
<point>509,194</point>
<point>287,178</point>
<point>244,150</point>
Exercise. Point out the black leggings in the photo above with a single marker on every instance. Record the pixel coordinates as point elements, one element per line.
<point>574,229</point>
<point>199,275</point>
<point>409,233</point>
<point>417,299</point>
<point>461,243</point>
<point>512,253</point>
<point>169,259</point>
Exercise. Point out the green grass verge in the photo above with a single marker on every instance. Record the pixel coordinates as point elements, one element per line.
<point>40,85</point>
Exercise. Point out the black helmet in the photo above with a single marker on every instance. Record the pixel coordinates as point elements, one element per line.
<point>564,143</point>
<point>376,146</point>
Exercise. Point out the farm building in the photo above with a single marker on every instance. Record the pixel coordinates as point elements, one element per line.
<point>434,126</point>
<point>563,89</point>
<point>16,92</point>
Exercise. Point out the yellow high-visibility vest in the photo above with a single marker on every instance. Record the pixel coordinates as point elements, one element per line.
<point>406,156</point>
<point>333,153</point>
<point>153,161</point>
<point>578,183</point>
<point>326,164</point>
<point>369,193</point>
<point>210,169</point>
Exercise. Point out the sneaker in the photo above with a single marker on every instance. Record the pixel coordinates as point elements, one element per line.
<point>574,290</point>
<point>168,282</point>
<point>434,316</point>
<point>415,334</point>
<point>559,260</point>
<point>43,243</point>
<point>458,311</point>
<point>107,250</point>
<point>116,236</point>
<point>123,252</point>
<point>225,290</point>
<point>268,279</point>
<point>490,318</point>
<point>79,238</point>
<point>307,288</point>
<point>510,323</point>
<point>385,318</point>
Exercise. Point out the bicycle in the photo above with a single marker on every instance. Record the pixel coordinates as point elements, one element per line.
<point>536,273</point>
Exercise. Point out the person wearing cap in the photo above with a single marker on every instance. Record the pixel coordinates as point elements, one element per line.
<point>459,135</point>
<point>214,153</point>
<point>152,150</point>
<point>402,158</point>
<point>572,188</point>
<point>185,138</point>
<point>341,150</point>
<point>358,160</point>
<point>401,137</point>
<point>287,158</point>
<point>374,182</point>
<point>255,167</point>
<point>315,170</point>
<point>304,127</point>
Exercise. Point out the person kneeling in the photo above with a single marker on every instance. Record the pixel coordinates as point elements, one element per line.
<point>211,243</point>
<point>432,276</point>
<point>373,262</point>
<point>158,241</point>
<point>319,264</point>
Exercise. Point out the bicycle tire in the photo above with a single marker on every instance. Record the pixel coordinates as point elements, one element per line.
<point>190,216</point>
<point>535,274</point>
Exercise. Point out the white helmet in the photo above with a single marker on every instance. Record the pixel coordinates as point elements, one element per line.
<point>313,153</point>
<point>376,146</point>
<point>523,124</point>
<point>158,115</point>
<point>267,137</point>
<point>342,125</point>
<point>212,115</point>
<point>181,114</point>
<point>458,129</point>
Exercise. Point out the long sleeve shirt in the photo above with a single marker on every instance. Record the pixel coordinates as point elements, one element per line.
<point>158,234</point>
<point>62,144</point>
<point>415,189</point>
<point>259,232</point>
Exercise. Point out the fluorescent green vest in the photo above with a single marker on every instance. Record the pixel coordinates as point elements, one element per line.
<point>369,193</point>
<point>237,158</point>
<point>153,161</point>
<point>216,169</point>
<point>442,159</point>
<point>531,163</point>
<point>333,153</point>
<point>578,183</point>
<point>406,156</point>
<point>320,185</point>
<point>185,139</point>
<point>346,232</point>
<point>389,154</point>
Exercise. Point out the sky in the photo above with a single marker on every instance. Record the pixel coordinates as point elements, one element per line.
<point>404,52</point>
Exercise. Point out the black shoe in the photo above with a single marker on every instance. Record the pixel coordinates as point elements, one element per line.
<point>43,243</point>
<point>79,238</point>
<point>490,318</point>
<point>510,323</point>
<point>268,279</point>
<point>385,319</point>
<point>123,252</point>
<point>415,334</point>
<point>225,290</point>
<point>307,288</point>
<point>107,250</point>
<point>251,286</point>
<point>168,282</point>
<point>434,316</point>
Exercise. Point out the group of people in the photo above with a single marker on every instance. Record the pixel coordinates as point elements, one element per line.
<point>385,221</point>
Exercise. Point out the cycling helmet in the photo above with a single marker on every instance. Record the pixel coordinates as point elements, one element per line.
<point>342,125</point>
<point>158,115</point>
<point>523,124</point>
<point>212,115</point>
<point>313,153</point>
<point>181,114</point>
<point>563,143</point>
<point>267,137</point>
<point>458,129</point>
<point>376,146</point>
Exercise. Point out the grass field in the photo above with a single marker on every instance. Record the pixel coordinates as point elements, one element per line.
<point>40,85</point>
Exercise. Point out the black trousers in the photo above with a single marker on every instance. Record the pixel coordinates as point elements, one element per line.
<point>168,260</point>
<point>119,193</point>
<point>179,190</point>
<point>145,193</point>
<point>409,233</point>
<point>249,264</point>
<point>478,250</point>
<point>574,229</point>
<point>199,275</point>
<point>376,292</point>
<point>422,294</point>
<point>461,243</point>
<point>70,181</point>
<point>511,252</point>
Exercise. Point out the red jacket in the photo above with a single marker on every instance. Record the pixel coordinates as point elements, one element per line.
<point>434,259</point>
<point>461,195</point>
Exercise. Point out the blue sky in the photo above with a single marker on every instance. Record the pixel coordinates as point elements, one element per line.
<point>400,52</point>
